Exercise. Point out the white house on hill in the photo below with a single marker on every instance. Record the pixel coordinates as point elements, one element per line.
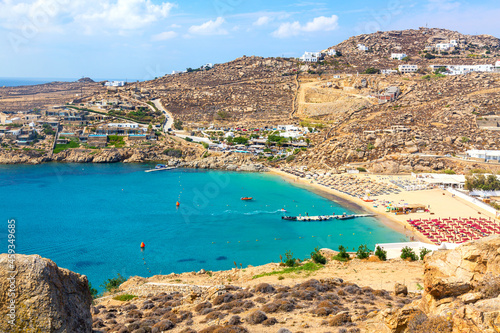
<point>311,56</point>
<point>398,56</point>
<point>403,69</point>
<point>332,52</point>
<point>444,46</point>
<point>497,64</point>
<point>363,47</point>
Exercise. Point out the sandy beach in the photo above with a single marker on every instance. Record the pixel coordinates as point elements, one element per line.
<point>441,203</point>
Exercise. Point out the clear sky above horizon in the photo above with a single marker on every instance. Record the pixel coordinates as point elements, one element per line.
<point>142,39</point>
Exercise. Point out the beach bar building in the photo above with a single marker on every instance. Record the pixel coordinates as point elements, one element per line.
<point>442,180</point>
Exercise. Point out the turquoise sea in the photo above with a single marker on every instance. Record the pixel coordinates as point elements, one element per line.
<point>92,218</point>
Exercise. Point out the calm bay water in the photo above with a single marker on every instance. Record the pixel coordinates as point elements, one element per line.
<point>92,218</point>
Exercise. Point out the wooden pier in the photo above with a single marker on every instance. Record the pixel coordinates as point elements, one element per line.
<point>323,218</point>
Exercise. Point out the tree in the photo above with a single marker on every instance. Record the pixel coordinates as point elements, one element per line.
<point>241,140</point>
<point>112,284</point>
<point>381,254</point>
<point>363,252</point>
<point>371,70</point>
<point>317,257</point>
<point>429,56</point>
<point>178,124</point>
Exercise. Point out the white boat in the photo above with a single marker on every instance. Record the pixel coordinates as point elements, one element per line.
<point>160,167</point>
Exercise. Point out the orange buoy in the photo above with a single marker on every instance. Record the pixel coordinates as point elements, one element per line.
<point>143,245</point>
<point>177,204</point>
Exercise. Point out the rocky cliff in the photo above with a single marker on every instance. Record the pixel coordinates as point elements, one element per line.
<point>462,292</point>
<point>47,298</point>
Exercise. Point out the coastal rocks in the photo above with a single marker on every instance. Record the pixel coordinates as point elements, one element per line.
<point>48,298</point>
<point>461,292</point>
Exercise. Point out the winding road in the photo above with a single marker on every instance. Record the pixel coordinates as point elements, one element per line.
<point>169,119</point>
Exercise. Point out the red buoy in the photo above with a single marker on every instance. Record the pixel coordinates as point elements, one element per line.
<point>143,245</point>
<point>177,204</point>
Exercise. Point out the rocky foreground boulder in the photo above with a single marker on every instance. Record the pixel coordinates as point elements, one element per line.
<point>48,298</point>
<point>461,292</point>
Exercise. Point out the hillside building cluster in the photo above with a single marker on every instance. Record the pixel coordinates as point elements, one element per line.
<point>316,56</point>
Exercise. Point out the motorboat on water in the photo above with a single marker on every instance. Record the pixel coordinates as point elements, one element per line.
<point>246,198</point>
<point>345,217</point>
<point>289,218</point>
<point>283,210</point>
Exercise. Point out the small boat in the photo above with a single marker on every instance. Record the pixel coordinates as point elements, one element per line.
<point>246,198</point>
<point>345,217</point>
<point>289,218</point>
<point>283,210</point>
<point>160,167</point>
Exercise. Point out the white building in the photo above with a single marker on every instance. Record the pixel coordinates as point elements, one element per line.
<point>177,72</point>
<point>465,69</point>
<point>403,69</point>
<point>454,42</point>
<point>332,52</point>
<point>497,64</point>
<point>389,71</point>
<point>363,47</point>
<point>487,155</point>
<point>115,84</point>
<point>123,125</point>
<point>287,128</point>
<point>229,135</point>
<point>444,46</point>
<point>398,56</point>
<point>311,56</point>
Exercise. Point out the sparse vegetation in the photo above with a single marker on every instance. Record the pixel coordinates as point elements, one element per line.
<point>124,297</point>
<point>317,257</point>
<point>424,252</point>
<point>342,255</point>
<point>408,253</point>
<point>307,267</point>
<point>381,254</point>
<point>112,284</point>
<point>363,252</point>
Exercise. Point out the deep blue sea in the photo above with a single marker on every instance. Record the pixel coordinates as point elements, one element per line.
<point>92,218</point>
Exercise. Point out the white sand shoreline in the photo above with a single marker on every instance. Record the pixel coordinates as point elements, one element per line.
<point>442,203</point>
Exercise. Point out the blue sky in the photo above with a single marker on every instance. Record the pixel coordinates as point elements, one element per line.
<point>141,39</point>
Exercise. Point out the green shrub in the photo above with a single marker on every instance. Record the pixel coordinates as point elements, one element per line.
<point>93,291</point>
<point>360,169</point>
<point>342,255</point>
<point>290,260</point>
<point>423,252</point>
<point>241,140</point>
<point>124,297</point>
<point>188,139</point>
<point>408,252</point>
<point>290,158</point>
<point>114,283</point>
<point>381,254</point>
<point>371,70</point>
<point>178,124</point>
<point>363,252</point>
<point>205,145</point>
<point>449,172</point>
<point>317,257</point>
<point>173,152</point>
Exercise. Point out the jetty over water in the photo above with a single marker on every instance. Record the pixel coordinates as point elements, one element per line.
<point>322,218</point>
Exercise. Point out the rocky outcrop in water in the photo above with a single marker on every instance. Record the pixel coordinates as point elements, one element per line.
<point>48,298</point>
